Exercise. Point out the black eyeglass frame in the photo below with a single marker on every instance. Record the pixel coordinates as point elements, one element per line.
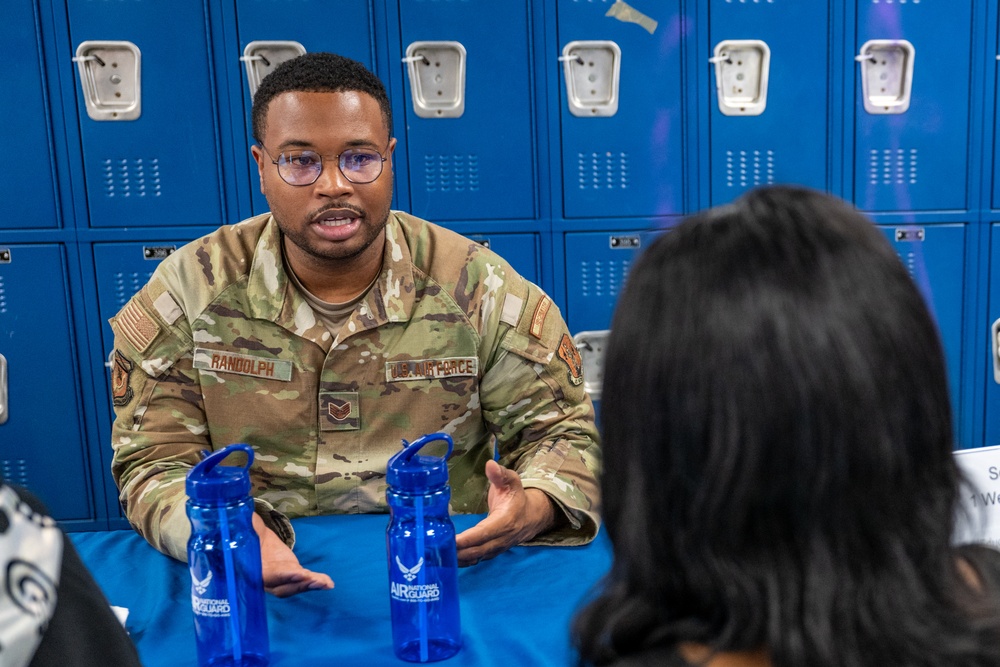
<point>322,165</point>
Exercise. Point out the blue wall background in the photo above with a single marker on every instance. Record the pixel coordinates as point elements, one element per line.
<point>90,206</point>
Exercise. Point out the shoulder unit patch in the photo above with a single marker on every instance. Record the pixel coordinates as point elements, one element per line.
<point>121,371</point>
<point>571,356</point>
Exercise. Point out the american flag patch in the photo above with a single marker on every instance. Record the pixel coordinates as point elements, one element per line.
<point>138,327</point>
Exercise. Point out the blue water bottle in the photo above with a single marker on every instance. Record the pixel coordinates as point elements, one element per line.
<point>423,564</point>
<point>227,590</point>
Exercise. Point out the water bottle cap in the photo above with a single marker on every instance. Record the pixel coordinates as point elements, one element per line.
<point>408,471</point>
<point>211,483</point>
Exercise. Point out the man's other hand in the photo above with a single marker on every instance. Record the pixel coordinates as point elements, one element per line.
<point>515,516</point>
<point>283,575</point>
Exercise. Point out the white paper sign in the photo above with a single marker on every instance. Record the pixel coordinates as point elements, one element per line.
<point>979,499</point>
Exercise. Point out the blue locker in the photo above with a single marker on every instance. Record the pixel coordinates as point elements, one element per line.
<point>343,27</point>
<point>996,127</point>
<point>122,269</point>
<point>934,256</point>
<point>521,250</point>
<point>163,168</point>
<point>597,264</point>
<point>631,163</point>
<point>992,434</point>
<point>916,160</point>
<point>785,139</point>
<point>42,437</point>
<point>479,165</point>
<point>28,184</point>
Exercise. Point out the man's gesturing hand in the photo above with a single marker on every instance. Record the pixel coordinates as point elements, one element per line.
<point>515,515</point>
<point>283,575</point>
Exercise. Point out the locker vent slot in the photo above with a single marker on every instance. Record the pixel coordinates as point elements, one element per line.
<point>602,279</point>
<point>127,284</point>
<point>749,168</point>
<point>608,170</point>
<point>15,471</point>
<point>888,166</point>
<point>754,2</point>
<point>3,297</point>
<point>895,2</point>
<point>132,178</point>
<point>446,173</point>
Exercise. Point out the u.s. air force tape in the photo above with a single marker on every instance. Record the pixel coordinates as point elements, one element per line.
<point>431,369</point>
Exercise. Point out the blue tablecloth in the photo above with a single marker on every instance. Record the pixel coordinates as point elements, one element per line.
<point>515,608</point>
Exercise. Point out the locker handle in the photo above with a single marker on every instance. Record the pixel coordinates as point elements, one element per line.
<point>742,71</point>
<point>261,57</point>
<point>592,71</point>
<point>437,78</point>
<point>995,339</point>
<point>110,75</point>
<point>886,75</point>
<point>3,389</point>
<point>591,346</point>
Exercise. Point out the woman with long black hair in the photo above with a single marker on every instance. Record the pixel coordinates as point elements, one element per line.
<point>778,476</point>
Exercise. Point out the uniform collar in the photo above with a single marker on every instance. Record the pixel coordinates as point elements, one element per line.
<point>272,296</point>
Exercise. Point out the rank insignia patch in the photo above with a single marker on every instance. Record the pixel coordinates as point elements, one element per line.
<point>121,371</point>
<point>571,356</point>
<point>339,411</point>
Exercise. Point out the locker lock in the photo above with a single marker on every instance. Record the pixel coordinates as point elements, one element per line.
<point>592,71</point>
<point>886,75</point>
<point>110,77</point>
<point>437,78</point>
<point>742,69</point>
<point>261,57</point>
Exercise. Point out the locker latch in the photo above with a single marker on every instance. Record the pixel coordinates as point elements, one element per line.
<point>437,78</point>
<point>261,57</point>
<point>995,338</point>
<point>3,390</point>
<point>590,345</point>
<point>742,69</point>
<point>886,75</point>
<point>110,77</point>
<point>592,71</point>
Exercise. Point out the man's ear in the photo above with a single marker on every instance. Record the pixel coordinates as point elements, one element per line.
<point>259,156</point>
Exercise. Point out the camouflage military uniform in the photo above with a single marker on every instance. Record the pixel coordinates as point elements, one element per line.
<point>219,348</point>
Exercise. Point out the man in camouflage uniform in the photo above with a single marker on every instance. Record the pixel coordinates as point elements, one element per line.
<point>325,332</point>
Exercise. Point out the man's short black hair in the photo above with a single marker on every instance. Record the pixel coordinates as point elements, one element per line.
<point>317,73</point>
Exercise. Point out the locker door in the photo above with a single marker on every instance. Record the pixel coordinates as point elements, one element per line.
<point>164,167</point>
<point>935,256</point>
<point>480,164</point>
<point>122,269</point>
<point>629,164</point>
<point>27,183</point>
<point>597,264</point>
<point>916,160</point>
<point>521,250</point>
<point>342,27</point>
<point>42,443</point>
<point>992,436</point>
<point>787,142</point>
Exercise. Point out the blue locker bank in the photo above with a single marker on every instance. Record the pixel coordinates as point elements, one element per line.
<point>564,134</point>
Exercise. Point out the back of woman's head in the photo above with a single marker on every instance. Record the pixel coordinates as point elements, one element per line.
<point>777,436</point>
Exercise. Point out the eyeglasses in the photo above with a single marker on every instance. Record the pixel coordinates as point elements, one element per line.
<point>358,165</point>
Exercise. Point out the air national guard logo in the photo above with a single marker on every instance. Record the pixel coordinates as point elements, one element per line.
<point>121,370</point>
<point>571,356</point>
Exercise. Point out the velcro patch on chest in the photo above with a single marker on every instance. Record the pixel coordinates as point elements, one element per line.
<point>431,369</point>
<point>339,411</point>
<point>223,361</point>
